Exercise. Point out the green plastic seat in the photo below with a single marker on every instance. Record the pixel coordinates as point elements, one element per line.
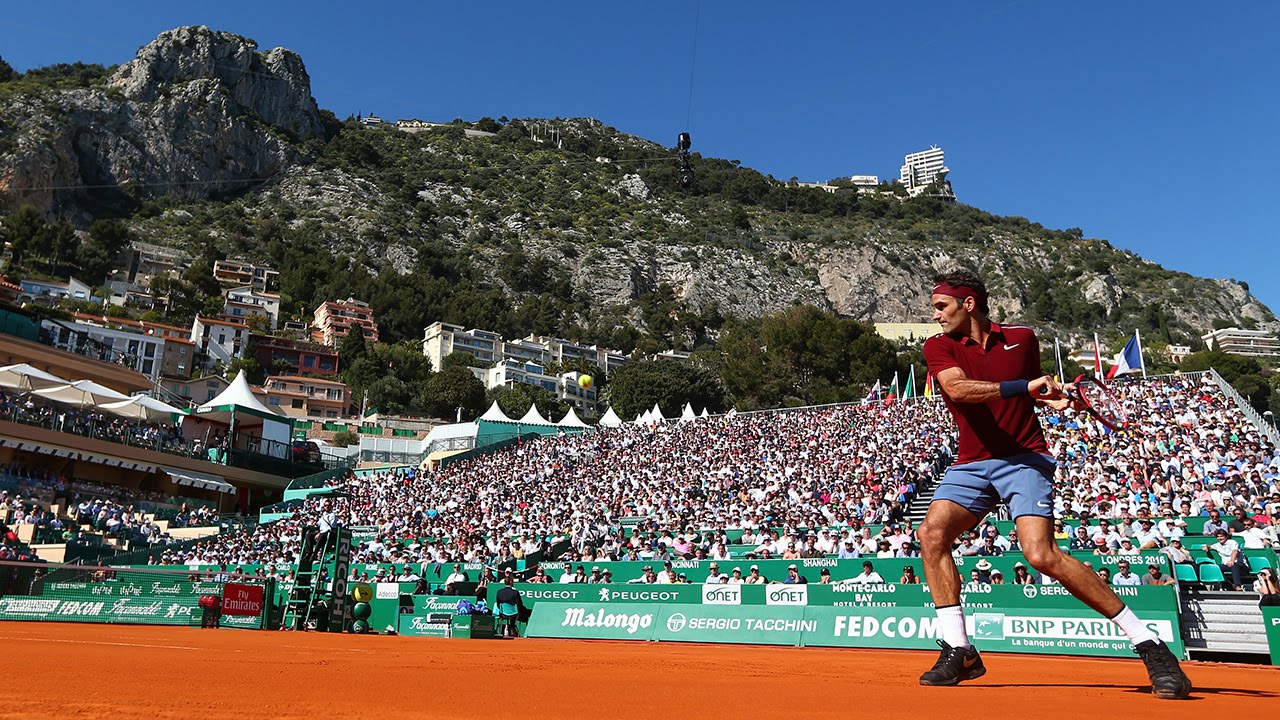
<point>1211,575</point>
<point>1185,573</point>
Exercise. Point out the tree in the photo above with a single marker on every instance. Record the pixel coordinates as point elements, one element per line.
<point>345,438</point>
<point>7,72</point>
<point>453,387</point>
<point>393,375</point>
<point>636,387</point>
<point>462,359</point>
<point>351,348</point>
<point>21,229</point>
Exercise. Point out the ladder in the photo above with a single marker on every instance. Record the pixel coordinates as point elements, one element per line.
<point>306,584</point>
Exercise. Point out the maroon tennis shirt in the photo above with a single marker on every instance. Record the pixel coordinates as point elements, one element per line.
<point>997,428</point>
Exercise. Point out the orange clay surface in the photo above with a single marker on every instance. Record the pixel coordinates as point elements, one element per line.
<point>62,670</point>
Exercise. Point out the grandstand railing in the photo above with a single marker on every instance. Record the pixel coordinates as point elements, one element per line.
<point>1246,408</point>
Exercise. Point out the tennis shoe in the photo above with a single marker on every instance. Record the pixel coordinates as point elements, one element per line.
<point>1168,682</point>
<point>955,665</point>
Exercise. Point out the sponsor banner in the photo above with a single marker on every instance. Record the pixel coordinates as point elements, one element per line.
<point>419,626</point>
<point>131,588</point>
<point>758,625</point>
<point>1271,619</point>
<point>721,594</point>
<point>1064,632</point>
<point>387,591</point>
<point>595,621</point>
<point>1055,632</point>
<point>435,603</point>
<point>786,594</point>
<point>241,622</point>
<point>243,600</point>
<point>984,595</point>
<point>973,595</point>
<point>153,611</point>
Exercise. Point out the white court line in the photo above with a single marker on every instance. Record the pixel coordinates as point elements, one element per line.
<point>98,642</point>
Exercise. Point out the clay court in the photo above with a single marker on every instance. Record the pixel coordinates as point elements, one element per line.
<point>78,670</point>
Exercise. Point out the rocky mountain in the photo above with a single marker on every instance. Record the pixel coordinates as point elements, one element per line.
<point>562,226</point>
<point>196,114</point>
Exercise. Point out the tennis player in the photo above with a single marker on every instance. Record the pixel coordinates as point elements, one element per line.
<point>991,382</point>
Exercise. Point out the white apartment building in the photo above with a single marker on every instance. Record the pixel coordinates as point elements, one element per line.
<point>565,386</point>
<point>220,340</point>
<point>921,168</point>
<point>1237,341</point>
<point>441,340</point>
<point>143,353</point>
<point>244,302</point>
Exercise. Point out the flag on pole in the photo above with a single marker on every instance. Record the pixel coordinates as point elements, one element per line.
<point>874,395</point>
<point>910,392</point>
<point>892,395</point>
<point>1129,360</point>
<point>1097,356</point>
<point>928,385</point>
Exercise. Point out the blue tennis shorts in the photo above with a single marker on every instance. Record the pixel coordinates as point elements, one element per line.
<point>1024,482</point>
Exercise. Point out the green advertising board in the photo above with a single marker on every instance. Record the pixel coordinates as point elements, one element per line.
<point>1025,630</point>
<point>1060,631</point>
<point>89,608</point>
<point>974,595</point>
<point>1271,619</point>
<point>891,569</point>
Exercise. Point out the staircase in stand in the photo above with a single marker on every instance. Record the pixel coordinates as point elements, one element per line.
<point>1225,622</point>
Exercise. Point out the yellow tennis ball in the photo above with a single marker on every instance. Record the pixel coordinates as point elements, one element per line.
<point>362,592</point>
<point>585,382</point>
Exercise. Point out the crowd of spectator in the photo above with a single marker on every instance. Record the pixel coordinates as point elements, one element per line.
<point>30,409</point>
<point>800,484</point>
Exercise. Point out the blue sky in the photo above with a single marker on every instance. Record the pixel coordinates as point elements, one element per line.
<point>1150,124</point>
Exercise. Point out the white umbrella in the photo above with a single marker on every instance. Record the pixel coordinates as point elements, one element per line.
<point>82,393</point>
<point>24,377</point>
<point>142,407</point>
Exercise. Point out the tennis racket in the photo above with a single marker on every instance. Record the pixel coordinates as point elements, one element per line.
<point>1101,403</point>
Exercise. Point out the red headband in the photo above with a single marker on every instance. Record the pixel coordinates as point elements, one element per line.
<point>960,293</point>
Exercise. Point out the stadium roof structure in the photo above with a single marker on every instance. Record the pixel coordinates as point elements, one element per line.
<point>239,396</point>
<point>25,377</point>
<point>495,414</point>
<point>572,420</point>
<point>142,407</point>
<point>81,393</point>
<point>533,417</point>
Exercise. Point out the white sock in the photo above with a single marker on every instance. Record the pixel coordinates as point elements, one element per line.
<point>1137,631</point>
<point>951,626</point>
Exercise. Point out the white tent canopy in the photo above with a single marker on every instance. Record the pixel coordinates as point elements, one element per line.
<point>238,394</point>
<point>25,377</point>
<point>572,420</point>
<point>655,415</point>
<point>610,419</point>
<point>688,413</point>
<point>142,407</point>
<point>81,393</point>
<point>533,417</point>
<point>706,412</point>
<point>495,414</point>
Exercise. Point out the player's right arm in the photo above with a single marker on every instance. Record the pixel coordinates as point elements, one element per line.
<point>960,388</point>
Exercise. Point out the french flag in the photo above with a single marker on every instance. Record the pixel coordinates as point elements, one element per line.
<point>1129,360</point>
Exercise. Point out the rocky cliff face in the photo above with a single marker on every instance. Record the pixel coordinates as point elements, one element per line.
<point>196,114</point>
<point>200,114</point>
